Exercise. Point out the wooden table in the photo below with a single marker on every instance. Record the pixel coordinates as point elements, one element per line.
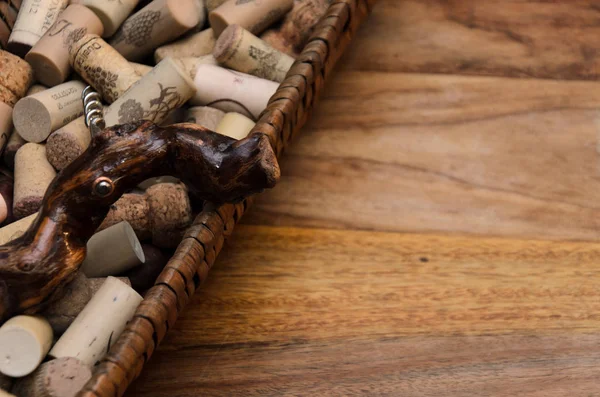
<point>436,228</point>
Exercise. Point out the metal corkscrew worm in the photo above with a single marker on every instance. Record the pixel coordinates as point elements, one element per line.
<point>93,110</point>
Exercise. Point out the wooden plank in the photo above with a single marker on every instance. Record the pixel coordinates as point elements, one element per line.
<point>549,39</point>
<point>436,153</point>
<point>319,312</point>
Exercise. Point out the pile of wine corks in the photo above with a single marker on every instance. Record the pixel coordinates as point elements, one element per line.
<point>215,63</point>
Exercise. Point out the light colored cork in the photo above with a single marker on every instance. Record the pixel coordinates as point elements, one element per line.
<point>232,91</point>
<point>15,141</point>
<point>141,68</point>
<point>15,78</point>
<point>102,67</point>
<point>96,283</point>
<point>159,22</point>
<point>4,393</point>
<point>6,197</point>
<point>112,251</point>
<point>63,377</point>
<point>50,56</point>
<point>205,116</point>
<point>99,324</point>
<point>240,50</point>
<point>235,125</point>
<point>37,115</point>
<point>156,180</point>
<point>24,342</point>
<point>67,143</point>
<point>16,229</point>
<point>62,312</point>
<point>33,175</point>
<point>212,4</point>
<point>297,26</point>
<point>190,64</point>
<point>154,97</point>
<point>194,45</point>
<point>35,18</point>
<point>253,15</point>
<point>6,124</point>
<point>111,13</point>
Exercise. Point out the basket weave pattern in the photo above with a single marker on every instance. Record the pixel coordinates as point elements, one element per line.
<point>286,113</point>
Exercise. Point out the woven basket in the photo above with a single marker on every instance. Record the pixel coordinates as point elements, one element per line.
<point>285,114</point>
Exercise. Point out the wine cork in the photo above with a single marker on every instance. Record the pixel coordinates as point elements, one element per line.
<point>24,342</point>
<point>62,377</point>
<point>6,394</point>
<point>99,324</point>
<point>15,141</point>
<point>16,229</point>
<point>62,312</point>
<point>6,198</point>
<point>36,116</point>
<point>154,97</point>
<point>240,50</point>
<point>33,175</point>
<point>67,143</point>
<point>297,26</point>
<point>205,116</point>
<point>232,91</point>
<point>161,214</point>
<point>6,124</point>
<point>102,67</point>
<point>15,78</point>
<point>156,180</point>
<point>112,251</point>
<point>159,22</point>
<point>194,45</point>
<point>253,15</point>
<point>140,68</point>
<point>235,125</point>
<point>212,4</point>
<point>35,18</point>
<point>143,277</point>
<point>49,58</point>
<point>190,64</point>
<point>111,13</point>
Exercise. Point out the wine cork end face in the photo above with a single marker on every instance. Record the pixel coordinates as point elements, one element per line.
<point>225,45</point>
<point>135,242</point>
<point>20,353</point>
<point>46,71</point>
<point>186,12</point>
<point>32,120</point>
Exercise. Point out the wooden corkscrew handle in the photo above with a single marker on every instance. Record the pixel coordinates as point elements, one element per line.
<point>215,168</point>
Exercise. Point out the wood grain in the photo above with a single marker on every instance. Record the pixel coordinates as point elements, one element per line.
<point>479,155</point>
<point>370,270</point>
<point>519,38</point>
<point>292,311</point>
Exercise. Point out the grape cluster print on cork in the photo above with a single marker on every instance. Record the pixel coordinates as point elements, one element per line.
<point>124,123</point>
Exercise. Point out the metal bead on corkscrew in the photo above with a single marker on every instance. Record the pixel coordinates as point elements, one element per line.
<point>92,108</point>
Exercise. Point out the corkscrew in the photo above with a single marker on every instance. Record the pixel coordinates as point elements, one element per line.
<point>92,109</point>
